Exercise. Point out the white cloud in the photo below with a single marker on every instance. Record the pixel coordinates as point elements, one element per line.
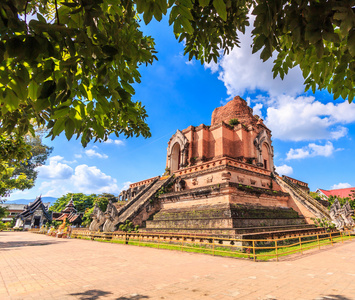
<point>126,185</point>
<point>93,180</point>
<point>284,170</point>
<point>304,118</point>
<point>84,179</point>
<point>311,150</point>
<point>55,169</point>
<point>241,70</point>
<point>340,186</point>
<point>257,110</point>
<point>92,153</point>
<point>116,142</point>
<point>78,156</point>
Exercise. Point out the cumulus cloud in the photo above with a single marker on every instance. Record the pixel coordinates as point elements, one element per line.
<point>92,153</point>
<point>312,150</point>
<point>93,180</point>
<point>304,118</point>
<point>78,156</point>
<point>340,185</point>
<point>257,110</point>
<point>115,142</point>
<point>241,70</point>
<point>55,169</point>
<point>126,185</point>
<point>84,179</point>
<point>284,170</point>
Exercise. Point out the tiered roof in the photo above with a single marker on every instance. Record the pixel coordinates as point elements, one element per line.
<point>31,208</point>
<point>70,213</point>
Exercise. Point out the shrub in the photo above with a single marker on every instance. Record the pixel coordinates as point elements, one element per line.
<point>233,122</point>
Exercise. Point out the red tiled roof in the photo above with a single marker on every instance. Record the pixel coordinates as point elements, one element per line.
<point>342,193</point>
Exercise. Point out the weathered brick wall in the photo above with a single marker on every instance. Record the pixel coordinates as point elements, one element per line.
<point>236,108</point>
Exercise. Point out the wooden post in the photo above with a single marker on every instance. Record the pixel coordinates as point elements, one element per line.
<point>254,250</point>
<point>158,240</point>
<point>318,241</point>
<point>182,243</point>
<point>277,256</point>
<point>213,245</point>
<point>300,240</point>
<point>341,236</point>
<point>331,240</point>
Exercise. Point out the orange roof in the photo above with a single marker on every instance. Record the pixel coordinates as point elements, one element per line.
<point>342,193</point>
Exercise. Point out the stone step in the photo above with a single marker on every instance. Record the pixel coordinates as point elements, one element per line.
<point>232,231</point>
<point>284,233</point>
<point>222,223</point>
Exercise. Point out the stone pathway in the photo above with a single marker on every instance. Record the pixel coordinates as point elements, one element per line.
<point>39,267</point>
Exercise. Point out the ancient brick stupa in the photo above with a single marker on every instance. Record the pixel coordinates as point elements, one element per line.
<point>221,181</point>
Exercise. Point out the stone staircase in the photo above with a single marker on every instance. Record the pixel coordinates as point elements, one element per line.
<point>133,208</point>
<point>302,197</point>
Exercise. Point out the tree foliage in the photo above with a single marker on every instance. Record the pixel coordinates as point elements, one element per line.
<point>82,201</point>
<point>3,212</point>
<point>19,156</point>
<point>342,201</point>
<point>13,151</point>
<point>70,64</point>
<point>39,155</point>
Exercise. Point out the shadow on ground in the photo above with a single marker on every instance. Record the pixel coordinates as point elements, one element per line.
<point>97,294</point>
<point>133,297</point>
<point>335,297</point>
<point>4,245</point>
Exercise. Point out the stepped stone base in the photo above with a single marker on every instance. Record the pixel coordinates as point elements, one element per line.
<point>227,209</point>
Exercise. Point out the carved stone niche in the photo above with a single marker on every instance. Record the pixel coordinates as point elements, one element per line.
<point>209,179</point>
<point>240,179</point>
<point>194,181</point>
<point>252,181</point>
<point>226,176</point>
<point>263,183</point>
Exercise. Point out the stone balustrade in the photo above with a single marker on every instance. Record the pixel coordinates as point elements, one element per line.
<point>143,182</point>
<point>220,162</point>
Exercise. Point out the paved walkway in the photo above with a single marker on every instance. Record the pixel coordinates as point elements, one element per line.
<point>39,267</point>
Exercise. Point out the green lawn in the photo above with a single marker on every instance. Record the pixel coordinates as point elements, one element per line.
<point>264,251</point>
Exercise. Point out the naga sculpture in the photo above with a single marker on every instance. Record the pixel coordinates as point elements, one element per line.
<point>347,214</point>
<point>180,184</point>
<point>111,218</point>
<point>98,219</point>
<point>341,216</point>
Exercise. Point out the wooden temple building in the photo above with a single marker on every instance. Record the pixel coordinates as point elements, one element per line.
<point>70,214</point>
<point>34,215</point>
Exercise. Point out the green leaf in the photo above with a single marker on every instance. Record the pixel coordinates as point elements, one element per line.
<point>59,126</point>
<point>221,9</point>
<point>351,43</point>
<point>11,100</point>
<point>47,89</point>
<point>204,3</point>
<point>69,128</point>
<point>19,87</point>
<point>32,90</point>
<point>186,25</point>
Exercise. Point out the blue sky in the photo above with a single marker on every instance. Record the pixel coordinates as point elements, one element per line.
<point>313,135</point>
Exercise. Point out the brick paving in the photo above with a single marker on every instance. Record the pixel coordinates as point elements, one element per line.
<point>39,267</point>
